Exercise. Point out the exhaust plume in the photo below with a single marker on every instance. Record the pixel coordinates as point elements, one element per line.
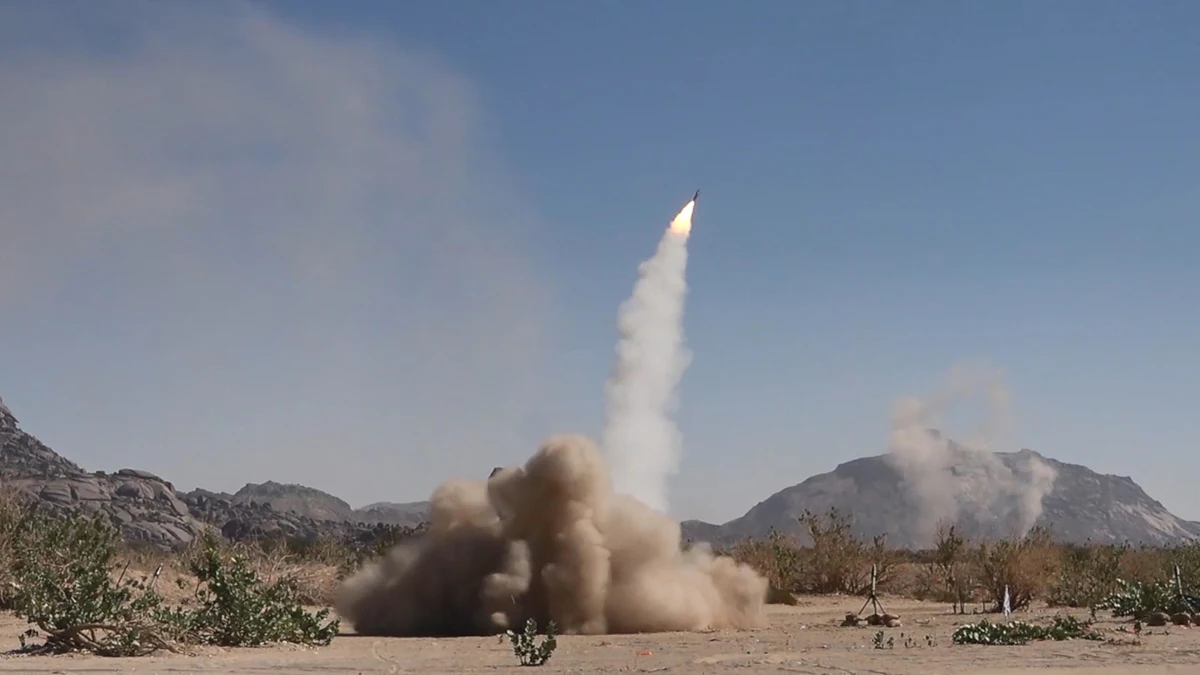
<point>640,439</point>
<point>549,541</point>
<point>945,480</point>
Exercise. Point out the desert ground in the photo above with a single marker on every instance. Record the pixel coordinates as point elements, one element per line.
<point>802,639</point>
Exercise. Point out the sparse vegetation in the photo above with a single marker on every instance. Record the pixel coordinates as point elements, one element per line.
<point>836,562</point>
<point>82,589</point>
<point>1133,582</point>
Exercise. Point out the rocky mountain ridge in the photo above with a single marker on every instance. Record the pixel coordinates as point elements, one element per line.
<point>149,510</point>
<point>1082,505</point>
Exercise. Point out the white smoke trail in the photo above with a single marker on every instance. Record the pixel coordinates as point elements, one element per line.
<point>641,440</point>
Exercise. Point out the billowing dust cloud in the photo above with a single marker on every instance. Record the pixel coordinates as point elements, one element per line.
<point>640,439</point>
<point>549,541</point>
<point>945,480</point>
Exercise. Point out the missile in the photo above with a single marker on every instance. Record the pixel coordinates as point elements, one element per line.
<point>696,196</point>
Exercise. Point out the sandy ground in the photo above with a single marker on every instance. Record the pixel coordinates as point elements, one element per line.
<point>801,639</point>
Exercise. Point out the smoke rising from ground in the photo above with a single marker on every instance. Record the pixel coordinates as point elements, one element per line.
<point>943,479</point>
<point>549,541</point>
<point>640,438</point>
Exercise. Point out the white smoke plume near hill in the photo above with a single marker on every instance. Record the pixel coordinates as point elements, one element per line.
<point>549,541</point>
<point>945,480</point>
<point>640,439</point>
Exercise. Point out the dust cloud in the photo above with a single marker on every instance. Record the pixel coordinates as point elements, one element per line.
<point>549,541</point>
<point>945,480</point>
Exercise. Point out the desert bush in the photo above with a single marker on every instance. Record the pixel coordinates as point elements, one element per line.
<point>778,558</point>
<point>835,562</point>
<point>949,573</point>
<point>525,645</point>
<point>1024,565</point>
<point>12,509</point>
<point>235,607</point>
<point>840,562</point>
<point>1139,599</point>
<point>66,583</point>
<point>1187,559</point>
<point>1087,575</point>
<point>62,575</point>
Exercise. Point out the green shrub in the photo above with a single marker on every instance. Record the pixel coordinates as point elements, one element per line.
<point>236,608</point>
<point>62,573</point>
<point>65,583</point>
<point>12,509</point>
<point>526,647</point>
<point>1140,599</point>
<point>1020,632</point>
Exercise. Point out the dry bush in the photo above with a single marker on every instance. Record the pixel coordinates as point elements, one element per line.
<point>1087,574</point>
<point>836,562</point>
<point>950,573</point>
<point>779,559</point>
<point>315,577</point>
<point>839,561</point>
<point>1144,564</point>
<point>1025,565</point>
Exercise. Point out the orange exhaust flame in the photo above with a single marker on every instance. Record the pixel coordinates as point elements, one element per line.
<point>682,224</point>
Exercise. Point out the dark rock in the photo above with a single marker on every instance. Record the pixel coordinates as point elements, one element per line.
<point>1158,619</point>
<point>1181,619</point>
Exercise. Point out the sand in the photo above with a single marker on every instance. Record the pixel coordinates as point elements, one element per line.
<point>800,639</point>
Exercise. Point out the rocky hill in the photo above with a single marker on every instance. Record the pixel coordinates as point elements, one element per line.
<point>1081,505</point>
<point>148,509</point>
<point>323,507</point>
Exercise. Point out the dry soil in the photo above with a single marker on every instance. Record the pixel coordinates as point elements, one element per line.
<point>800,639</point>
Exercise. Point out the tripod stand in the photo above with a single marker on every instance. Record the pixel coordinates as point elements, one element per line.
<point>872,598</point>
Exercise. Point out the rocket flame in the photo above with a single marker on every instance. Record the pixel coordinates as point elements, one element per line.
<point>682,224</point>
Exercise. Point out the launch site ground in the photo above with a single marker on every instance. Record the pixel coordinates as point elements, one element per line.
<point>801,639</point>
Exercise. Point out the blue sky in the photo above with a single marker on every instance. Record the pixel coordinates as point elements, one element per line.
<point>367,246</point>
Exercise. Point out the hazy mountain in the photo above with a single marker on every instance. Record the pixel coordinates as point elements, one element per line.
<point>322,506</point>
<point>1081,505</point>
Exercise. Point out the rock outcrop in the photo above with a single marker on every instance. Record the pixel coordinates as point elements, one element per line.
<point>143,506</point>
<point>149,510</point>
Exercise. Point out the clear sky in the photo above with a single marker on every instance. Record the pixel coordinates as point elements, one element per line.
<point>367,246</point>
